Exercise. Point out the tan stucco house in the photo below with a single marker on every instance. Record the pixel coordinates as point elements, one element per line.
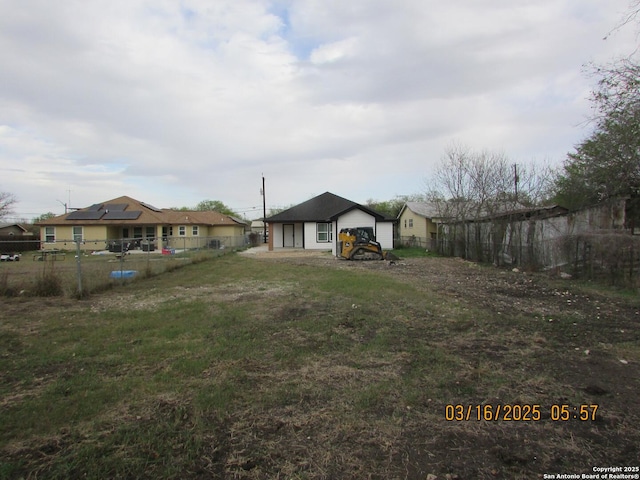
<point>109,224</point>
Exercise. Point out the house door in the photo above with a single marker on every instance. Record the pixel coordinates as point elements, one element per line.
<point>288,234</point>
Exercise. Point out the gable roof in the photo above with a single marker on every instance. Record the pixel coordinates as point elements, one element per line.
<point>424,209</point>
<point>15,225</point>
<point>129,211</point>
<point>323,208</point>
<point>448,208</point>
<point>524,213</point>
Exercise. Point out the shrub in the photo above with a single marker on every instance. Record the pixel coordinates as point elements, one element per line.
<point>48,285</point>
<point>255,239</point>
<point>5,289</point>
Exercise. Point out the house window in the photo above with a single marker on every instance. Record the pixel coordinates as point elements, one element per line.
<point>50,234</point>
<point>324,232</point>
<point>150,232</point>
<point>194,230</point>
<point>182,231</point>
<point>77,234</point>
<point>137,232</point>
<point>411,223</point>
<point>405,223</point>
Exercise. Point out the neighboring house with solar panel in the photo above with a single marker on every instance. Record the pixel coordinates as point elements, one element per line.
<point>126,223</point>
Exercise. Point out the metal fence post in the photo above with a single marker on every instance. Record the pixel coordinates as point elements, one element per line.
<point>79,267</point>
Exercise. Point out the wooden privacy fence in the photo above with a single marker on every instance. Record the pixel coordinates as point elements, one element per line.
<point>610,256</point>
<point>594,242</point>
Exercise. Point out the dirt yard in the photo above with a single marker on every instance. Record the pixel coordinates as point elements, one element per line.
<point>518,338</point>
<point>585,338</point>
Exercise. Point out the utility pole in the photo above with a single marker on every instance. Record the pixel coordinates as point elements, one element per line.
<point>64,205</point>
<point>516,179</point>
<point>264,212</point>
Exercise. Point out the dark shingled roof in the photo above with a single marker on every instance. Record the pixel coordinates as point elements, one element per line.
<point>323,208</point>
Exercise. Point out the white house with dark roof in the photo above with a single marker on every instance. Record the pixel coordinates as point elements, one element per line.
<point>314,224</point>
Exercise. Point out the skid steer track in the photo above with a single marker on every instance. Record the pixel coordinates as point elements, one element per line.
<point>363,254</point>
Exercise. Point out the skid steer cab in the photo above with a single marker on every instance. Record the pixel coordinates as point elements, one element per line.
<point>359,243</point>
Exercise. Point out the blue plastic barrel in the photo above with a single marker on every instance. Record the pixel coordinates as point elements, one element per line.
<point>123,273</point>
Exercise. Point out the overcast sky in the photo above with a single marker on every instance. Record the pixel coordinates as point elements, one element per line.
<point>173,102</point>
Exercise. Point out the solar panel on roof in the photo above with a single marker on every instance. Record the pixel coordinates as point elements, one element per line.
<point>150,207</point>
<point>122,215</point>
<point>95,207</point>
<point>85,215</point>
<point>115,207</point>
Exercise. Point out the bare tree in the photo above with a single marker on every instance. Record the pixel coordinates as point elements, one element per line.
<point>535,183</point>
<point>472,190</point>
<point>471,185</point>
<point>630,17</point>
<point>7,201</point>
<point>450,189</point>
<point>617,91</point>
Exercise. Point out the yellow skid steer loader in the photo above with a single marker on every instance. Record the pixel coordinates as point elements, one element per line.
<point>359,243</point>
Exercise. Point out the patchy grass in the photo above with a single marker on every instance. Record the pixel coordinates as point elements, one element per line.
<point>316,368</point>
<point>413,252</point>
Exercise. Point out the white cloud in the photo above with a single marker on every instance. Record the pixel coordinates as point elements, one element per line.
<point>334,52</point>
<point>174,102</point>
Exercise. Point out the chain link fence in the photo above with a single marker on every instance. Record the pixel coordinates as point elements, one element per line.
<point>78,267</point>
<point>412,241</point>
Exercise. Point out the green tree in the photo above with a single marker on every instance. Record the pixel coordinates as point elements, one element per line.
<point>209,205</point>
<point>216,206</point>
<point>607,163</point>
<point>392,207</point>
<point>43,217</point>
